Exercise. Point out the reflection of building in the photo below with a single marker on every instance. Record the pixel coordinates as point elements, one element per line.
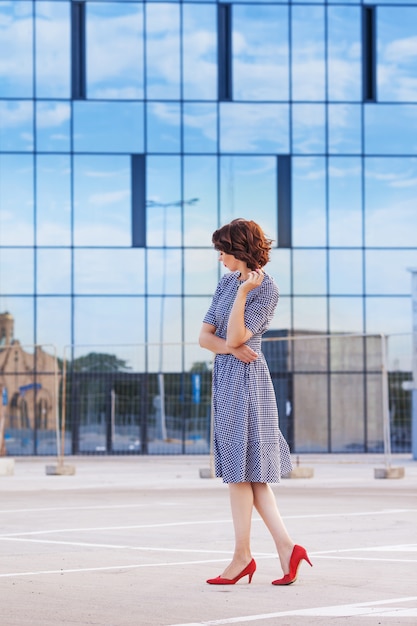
<point>27,382</point>
<point>329,390</point>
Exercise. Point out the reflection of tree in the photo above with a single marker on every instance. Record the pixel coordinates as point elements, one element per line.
<point>99,362</point>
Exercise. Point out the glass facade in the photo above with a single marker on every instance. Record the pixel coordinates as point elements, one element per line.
<point>130,130</point>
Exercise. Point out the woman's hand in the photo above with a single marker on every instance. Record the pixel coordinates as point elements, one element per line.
<point>244,353</point>
<point>254,279</point>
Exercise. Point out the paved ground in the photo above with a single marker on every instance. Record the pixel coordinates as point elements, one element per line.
<point>131,541</point>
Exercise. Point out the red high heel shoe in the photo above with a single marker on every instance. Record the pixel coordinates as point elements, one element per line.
<point>248,571</point>
<point>298,554</point>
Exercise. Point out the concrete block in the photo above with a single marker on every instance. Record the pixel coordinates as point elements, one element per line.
<point>6,467</point>
<point>389,472</point>
<point>60,470</point>
<point>301,472</point>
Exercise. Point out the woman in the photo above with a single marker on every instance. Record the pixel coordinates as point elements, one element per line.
<point>249,449</point>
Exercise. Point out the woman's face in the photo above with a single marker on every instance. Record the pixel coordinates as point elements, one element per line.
<point>229,261</point>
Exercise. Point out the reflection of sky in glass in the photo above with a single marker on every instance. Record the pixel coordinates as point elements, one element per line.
<point>53,32</point>
<point>53,271</point>
<point>309,201</point>
<point>397,54</point>
<point>116,70</point>
<point>199,51</point>
<point>308,129</point>
<point>16,46</point>
<point>16,125</point>
<point>344,128</point>
<point>102,213</point>
<point>53,126</point>
<point>200,127</point>
<point>16,271</point>
<point>16,200</point>
<point>307,54</point>
<point>53,198</point>
<point>163,51</point>
<point>255,128</point>
<point>200,182</point>
<point>390,201</point>
<point>109,271</point>
<point>391,129</point>
<point>260,52</point>
<point>108,127</point>
<point>249,190</point>
<point>163,217</point>
<point>345,201</point>
<point>344,53</point>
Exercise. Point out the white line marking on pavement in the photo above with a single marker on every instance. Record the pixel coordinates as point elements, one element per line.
<point>82,570</point>
<point>361,609</point>
<point>201,522</point>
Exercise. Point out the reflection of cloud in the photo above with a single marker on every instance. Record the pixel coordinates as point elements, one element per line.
<point>55,114</point>
<point>109,197</point>
<point>254,127</point>
<point>401,50</point>
<point>16,113</point>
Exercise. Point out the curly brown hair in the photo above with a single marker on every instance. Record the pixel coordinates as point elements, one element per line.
<point>245,240</point>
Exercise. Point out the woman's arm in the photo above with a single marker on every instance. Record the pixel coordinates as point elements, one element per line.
<point>209,340</point>
<point>237,333</point>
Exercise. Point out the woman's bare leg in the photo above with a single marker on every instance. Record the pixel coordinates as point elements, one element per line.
<point>241,502</point>
<point>266,505</point>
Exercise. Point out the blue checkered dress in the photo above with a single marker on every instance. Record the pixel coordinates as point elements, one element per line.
<point>248,444</point>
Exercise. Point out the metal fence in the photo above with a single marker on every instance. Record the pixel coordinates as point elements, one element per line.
<point>335,393</point>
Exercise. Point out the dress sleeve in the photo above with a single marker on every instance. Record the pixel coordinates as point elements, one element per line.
<point>260,307</point>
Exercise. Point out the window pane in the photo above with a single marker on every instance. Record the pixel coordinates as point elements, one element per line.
<point>249,190</point>
<point>164,271</point>
<point>53,271</point>
<point>310,314</point>
<point>16,126</point>
<point>102,203</point>
<point>16,200</point>
<point>345,201</point>
<point>53,200</point>
<point>345,128</point>
<point>308,124</point>
<point>255,128</point>
<point>108,127</point>
<point>109,272</point>
<point>346,315</point>
<point>201,271</point>
<point>260,52</point>
<point>22,309</point>
<point>309,272</point>
<point>194,312</point>
<point>163,220</point>
<point>399,122</point>
<point>115,320</point>
<point>16,45</point>
<point>16,271</point>
<point>53,31</point>
<point>387,271</point>
<point>116,70</point>
<point>280,269</point>
<point>388,315</point>
<point>199,52</point>
<point>344,53</point>
<point>200,207</point>
<point>309,201</point>
<point>283,315</point>
<point>345,272</point>
<point>53,126</point>
<point>163,127</point>
<point>163,51</point>
<point>307,49</point>
<point>200,127</point>
<point>53,322</point>
<point>397,70</point>
<point>390,206</point>
<point>164,328</point>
